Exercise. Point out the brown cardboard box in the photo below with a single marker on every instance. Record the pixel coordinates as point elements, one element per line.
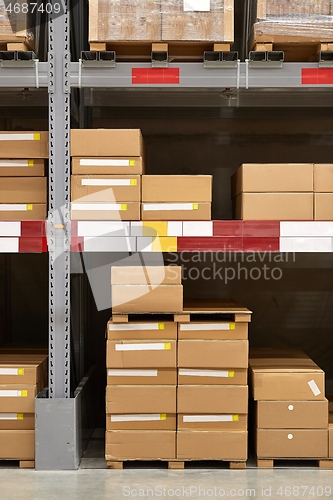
<point>274,206</point>
<point>17,445</point>
<point>292,414</point>
<point>323,206</point>
<point>296,8</point>
<point>17,421</point>
<point>213,354</point>
<point>22,168</point>
<point>23,211</point>
<point>20,372</point>
<point>18,398</point>
<point>126,399</point>
<point>107,142</point>
<point>323,178</point>
<point>105,188</point>
<point>141,354</point>
<point>176,188</point>
<point>23,190</point>
<point>108,166</point>
<point>145,445</point>
<point>153,275</point>
<point>176,211</point>
<point>214,445</point>
<point>221,422</point>
<point>24,145</point>
<point>212,399</point>
<point>143,422</point>
<point>213,330</point>
<point>105,211</point>
<point>142,330</point>
<point>143,376</point>
<point>197,376</point>
<point>145,299</point>
<point>330,436</point>
<point>273,178</point>
<point>292,443</point>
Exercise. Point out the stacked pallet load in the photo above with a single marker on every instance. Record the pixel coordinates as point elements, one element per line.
<point>107,166</point>
<point>22,377</point>
<point>323,192</point>
<point>290,406</point>
<point>18,25</point>
<point>23,186</point>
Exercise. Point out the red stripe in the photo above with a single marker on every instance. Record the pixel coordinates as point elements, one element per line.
<point>33,228</point>
<point>31,245</point>
<point>154,76</point>
<point>317,76</point>
<point>77,244</point>
<point>261,244</point>
<point>209,244</point>
<point>261,229</point>
<point>227,228</point>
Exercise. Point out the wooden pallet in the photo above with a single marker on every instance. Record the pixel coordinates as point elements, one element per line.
<point>264,463</point>
<point>304,51</point>
<point>172,464</point>
<point>14,44</point>
<point>23,464</point>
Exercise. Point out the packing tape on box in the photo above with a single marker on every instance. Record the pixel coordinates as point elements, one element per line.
<point>108,182</point>
<point>13,394</point>
<point>314,388</point>
<point>11,416</point>
<point>188,372</point>
<point>19,137</point>
<point>138,418</point>
<point>116,327</point>
<point>206,326</point>
<point>210,418</point>
<point>143,347</point>
<point>86,162</point>
<point>132,373</point>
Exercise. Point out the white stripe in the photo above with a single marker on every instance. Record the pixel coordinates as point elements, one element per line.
<point>103,228</point>
<point>10,245</point>
<point>150,207</point>
<point>207,418</point>
<point>136,418</point>
<point>8,371</point>
<point>13,207</point>
<point>132,373</point>
<point>308,228</point>
<point>109,244</point>
<point>10,394</point>
<point>14,163</point>
<point>106,182</point>
<point>144,244</point>
<point>140,347</point>
<point>197,228</point>
<point>133,326</point>
<point>203,373</point>
<point>10,228</point>
<point>104,163</point>
<point>314,388</point>
<point>17,137</point>
<point>96,206</point>
<point>8,416</point>
<point>306,244</point>
<point>204,326</point>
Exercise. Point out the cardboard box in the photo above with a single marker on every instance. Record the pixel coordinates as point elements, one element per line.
<point>24,145</point>
<point>142,422</point>
<point>323,206</point>
<point>143,376</point>
<point>145,299</point>
<point>323,178</point>
<point>23,190</point>
<point>213,354</point>
<point>152,275</point>
<point>292,414</point>
<point>213,330</point>
<point>197,376</point>
<point>141,354</point>
<point>212,422</point>
<point>21,371</point>
<point>176,188</point>
<point>22,168</point>
<point>273,178</point>
<point>125,399</point>
<point>23,211</point>
<point>105,211</point>
<point>298,9</point>
<point>18,398</point>
<point>142,330</point>
<point>176,211</point>
<point>140,445</point>
<point>274,206</point>
<point>107,142</point>
<point>109,166</point>
<point>17,445</point>
<point>214,445</point>
<point>330,436</point>
<point>292,443</point>
<point>17,421</point>
<point>105,188</point>
<point>212,399</point>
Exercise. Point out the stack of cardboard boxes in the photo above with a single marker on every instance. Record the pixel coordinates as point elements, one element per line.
<point>22,377</point>
<point>291,408</point>
<point>23,187</point>
<point>323,192</point>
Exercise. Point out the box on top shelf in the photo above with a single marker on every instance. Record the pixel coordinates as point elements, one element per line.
<point>136,445</point>
<point>219,354</point>
<point>108,166</point>
<point>107,142</point>
<point>141,354</point>
<point>323,206</point>
<point>141,376</point>
<point>18,398</point>
<point>105,211</point>
<point>152,275</point>
<point>214,445</point>
<point>292,443</point>
<point>212,376</point>
<point>36,211</point>
<point>176,211</point>
<point>127,399</point>
<point>213,330</point>
<point>212,399</point>
<point>23,369</point>
<point>323,178</point>
<point>22,168</point>
<point>23,190</point>
<point>292,414</point>
<point>105,188</point>
<point>209,422</point>
<point>177,188</point>
<point>147,298</point>
<point>274,206</point>
<point>24,145</point>
<point>142,330</point>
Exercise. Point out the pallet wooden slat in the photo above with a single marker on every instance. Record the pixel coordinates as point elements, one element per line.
<point>266,463</point>
<point>172,464</point>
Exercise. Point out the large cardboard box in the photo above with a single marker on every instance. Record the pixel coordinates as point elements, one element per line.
<point>214,445</point>
<point>142,330</point>
<point>107,142</point>
<point>145,299</point>
<point>18,398</point>
<point>17,421</point>
<point>176,188</point>
<point>213,330</point>
<point>105,188</point>
<point>145,445</point>
<point>141,354</point>
<point>152,275</point>
<point>292,443</point>
<point>199,376</point>
<point>274,206</point>
<point>108,166</point>
<point>323,206</point>
<point>17,445</point>
<point>330,436</point>
<point>292,414</point>
<point>22,168</point>
<point>105,211</point>
<point>323,178</point>
<point>24,145</point>
<point>212,422</point>
<point>220,354</point>
<point>21,370</point>
<point>212,399</point>
<point>143,376</point>
<point>142,422</point>
<point>176,211</point>
<point>140,399</point>
<point>23,190</point>
<point>23,211</point>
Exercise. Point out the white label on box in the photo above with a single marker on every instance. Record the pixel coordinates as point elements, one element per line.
<point>193,327</point>
<point>135,327</point>
<point>175,228</point>
<point>96,206</point>
<point>107,182</point>
<point>196,5</point>
<point>9,245</point>
<point>314,388</point>
<point>109,244</point>
<point>13,207</point>
<point>132,373</point>
<point>187,372</point>
<point>8,416</point>
<point>151,207</point>
<point>103,228</point>
<point>208,418</point>
<point>197,228</point>
<point>104,163</point>
<point>14,163</point>
<point>142,347</point>
<point>10,228</point>
<point>8,371</point>
<point>136,418</point>
<point>18,137</point>
<point>10,394</point>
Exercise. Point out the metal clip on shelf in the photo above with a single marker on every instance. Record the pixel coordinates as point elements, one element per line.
<point>98,59</point>
<point>213,59</point>
<point>160,59</point>
<point>272,59</point>
<point>326,59</point>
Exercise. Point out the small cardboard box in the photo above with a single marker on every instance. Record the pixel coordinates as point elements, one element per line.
<point>107,142</point>
<point>142,422</point>
<point>176,188</point>
<point>220,354</point>
<point>213,330</point>
<point>22,168</point>
<point>127,399</point>
<point>141,354</point>
<point>145,299</point>
<point>323,206</point>
<point>23,211</point>
<point>108,166</point>
<point>212,399</point>
<point>292,414</point>
<point>17,445</point>
<point>21,370</point>
<point>17,421</point>
<point>208,376</point>
<point>142,330</point>
<point>105,188</point>
<point>176,211</point>
<point>214,445</point>
<point>136,445</point>
<point>151,275</point>
<point>274,206</point>
<point>17,145</point>
<point>323,178</point>
<point>18,398</point>
<point>212,422</point>
<point>23,190</point>
<point>143,376</point>
<point>292,443</point>
<point>105,211</point>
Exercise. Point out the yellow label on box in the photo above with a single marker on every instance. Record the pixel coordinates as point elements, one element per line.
<point>232,326</point>
<point>36,137</point>
<point>24,394</point>
<point>30,207</point>
<point>235,418</point>
<point>20,416</point>
<point>163,416</point>
<point>132,163</point>
<point>231,374</point>
<point>31,163</point>
<point>133,182</point>
<point>195,206</point>
<point>167,347</point>
<point>161,326</point>
<point>123,207</point>
<point>20,371</point>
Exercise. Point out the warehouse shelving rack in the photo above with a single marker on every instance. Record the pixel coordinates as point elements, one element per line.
<point>59,428</point>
